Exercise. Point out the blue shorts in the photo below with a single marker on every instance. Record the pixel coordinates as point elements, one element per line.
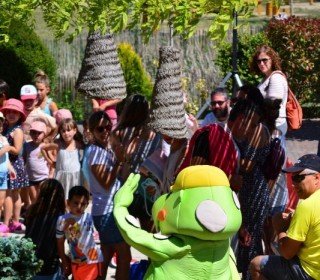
<point>107,228</point>
<point>279,268</point>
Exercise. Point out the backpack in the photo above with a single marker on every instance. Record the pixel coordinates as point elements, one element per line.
<point>272,166</point>
<point>293,108</point>
<point>294,111</point>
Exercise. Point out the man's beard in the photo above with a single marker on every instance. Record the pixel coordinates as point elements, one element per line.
<point>221,113</point>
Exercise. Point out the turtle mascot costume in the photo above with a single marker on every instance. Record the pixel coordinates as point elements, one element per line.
<point>195,220</point>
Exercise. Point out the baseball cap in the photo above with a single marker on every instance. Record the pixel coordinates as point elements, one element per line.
<point>28,92</point>
<point>309,161</point>
<point>38,126</point>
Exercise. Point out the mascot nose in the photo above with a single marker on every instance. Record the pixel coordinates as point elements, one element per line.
<point>162,215</point>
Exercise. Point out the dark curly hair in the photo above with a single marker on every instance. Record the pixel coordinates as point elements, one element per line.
<point>275,59</point>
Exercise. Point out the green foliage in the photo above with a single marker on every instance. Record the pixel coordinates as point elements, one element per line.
<point>137,79</point>
<point>74,103</point>
<point>246,48</point>
<point>146,15</point>
<point>22,56</point>
<point>17,259</point>
<point>311,110</point>
<point>14,10</point>
<point>297,40</point>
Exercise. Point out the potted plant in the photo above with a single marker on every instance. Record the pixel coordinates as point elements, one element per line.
<point>276,4</point>
<point>18,259</point>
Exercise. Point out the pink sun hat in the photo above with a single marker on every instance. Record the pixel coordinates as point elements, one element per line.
<point>62,114</point>
<point>38,126</point>
<point>15,105</point>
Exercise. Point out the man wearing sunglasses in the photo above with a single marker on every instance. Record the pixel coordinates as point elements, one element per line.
<point>220,108</point>
<point>298,233</point>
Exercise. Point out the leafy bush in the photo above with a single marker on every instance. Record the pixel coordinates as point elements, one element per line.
<point>74,103</point>
<point>136,77</point>
<point>17,259</point>
<point>297,41</point>
<point>22,56</point>
<point>246,47</point>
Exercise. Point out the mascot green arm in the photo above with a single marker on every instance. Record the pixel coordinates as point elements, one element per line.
<point>151,245</point>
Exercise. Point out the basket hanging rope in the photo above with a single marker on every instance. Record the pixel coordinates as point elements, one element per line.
<point>167,114</point>
<point>101,75</point>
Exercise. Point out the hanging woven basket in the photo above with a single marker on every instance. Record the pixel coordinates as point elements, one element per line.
<point>101,75</point>
<point>167,114</point>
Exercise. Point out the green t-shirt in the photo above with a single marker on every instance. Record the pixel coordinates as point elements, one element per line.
<point>305,227</point>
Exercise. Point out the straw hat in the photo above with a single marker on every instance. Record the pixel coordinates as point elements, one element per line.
<point>167,114</point>
<point>101,75</point>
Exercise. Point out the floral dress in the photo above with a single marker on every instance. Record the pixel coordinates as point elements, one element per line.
<point>22,179</point>
<point>254,199</point>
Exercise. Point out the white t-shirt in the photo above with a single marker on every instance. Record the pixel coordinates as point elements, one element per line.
<point>102,199</point>
<point>276,87</point>
<point>79,235</point>
<point>210,118</point>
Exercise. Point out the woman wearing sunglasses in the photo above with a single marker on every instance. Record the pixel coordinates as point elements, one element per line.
<point>266,62</point>
<point>103,166</point>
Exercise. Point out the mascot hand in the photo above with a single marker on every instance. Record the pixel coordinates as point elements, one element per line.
<point>124,196</point>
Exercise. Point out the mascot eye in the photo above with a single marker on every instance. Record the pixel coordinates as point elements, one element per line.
<point>211,216</point>
<point>236,200</point>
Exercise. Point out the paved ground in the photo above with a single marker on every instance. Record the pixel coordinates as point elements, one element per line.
<point>300,142</point>
<point>305,140</point>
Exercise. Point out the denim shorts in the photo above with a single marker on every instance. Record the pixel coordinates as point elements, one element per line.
<point>279,268</point>
<point>107,228</point>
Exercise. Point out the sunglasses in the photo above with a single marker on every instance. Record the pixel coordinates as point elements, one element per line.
<point>299,178</point>
<point>214,103</point>
<point>264,60</point>
<point>101,129</point>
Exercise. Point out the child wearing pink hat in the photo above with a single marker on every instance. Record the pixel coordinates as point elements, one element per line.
<point>61,115</point>
<point>5,168</point>
<point>13,111</point>
<point>29,97</point>
<point>36,161</point>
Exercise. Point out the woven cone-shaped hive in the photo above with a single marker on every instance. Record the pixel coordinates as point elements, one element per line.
<point>167,114</point>
<point>101,75</point>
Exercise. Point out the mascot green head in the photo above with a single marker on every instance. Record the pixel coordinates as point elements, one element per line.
<point>201,204</point>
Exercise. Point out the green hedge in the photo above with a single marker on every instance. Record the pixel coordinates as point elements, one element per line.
<point>17,259</point>
<point>136,77</point>
<point>297,40</point>
<point>22,56</point>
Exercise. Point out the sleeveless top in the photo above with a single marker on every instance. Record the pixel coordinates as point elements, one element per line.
<point>22,179</point>
<point>46,109</point>
<point>68,169</point>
